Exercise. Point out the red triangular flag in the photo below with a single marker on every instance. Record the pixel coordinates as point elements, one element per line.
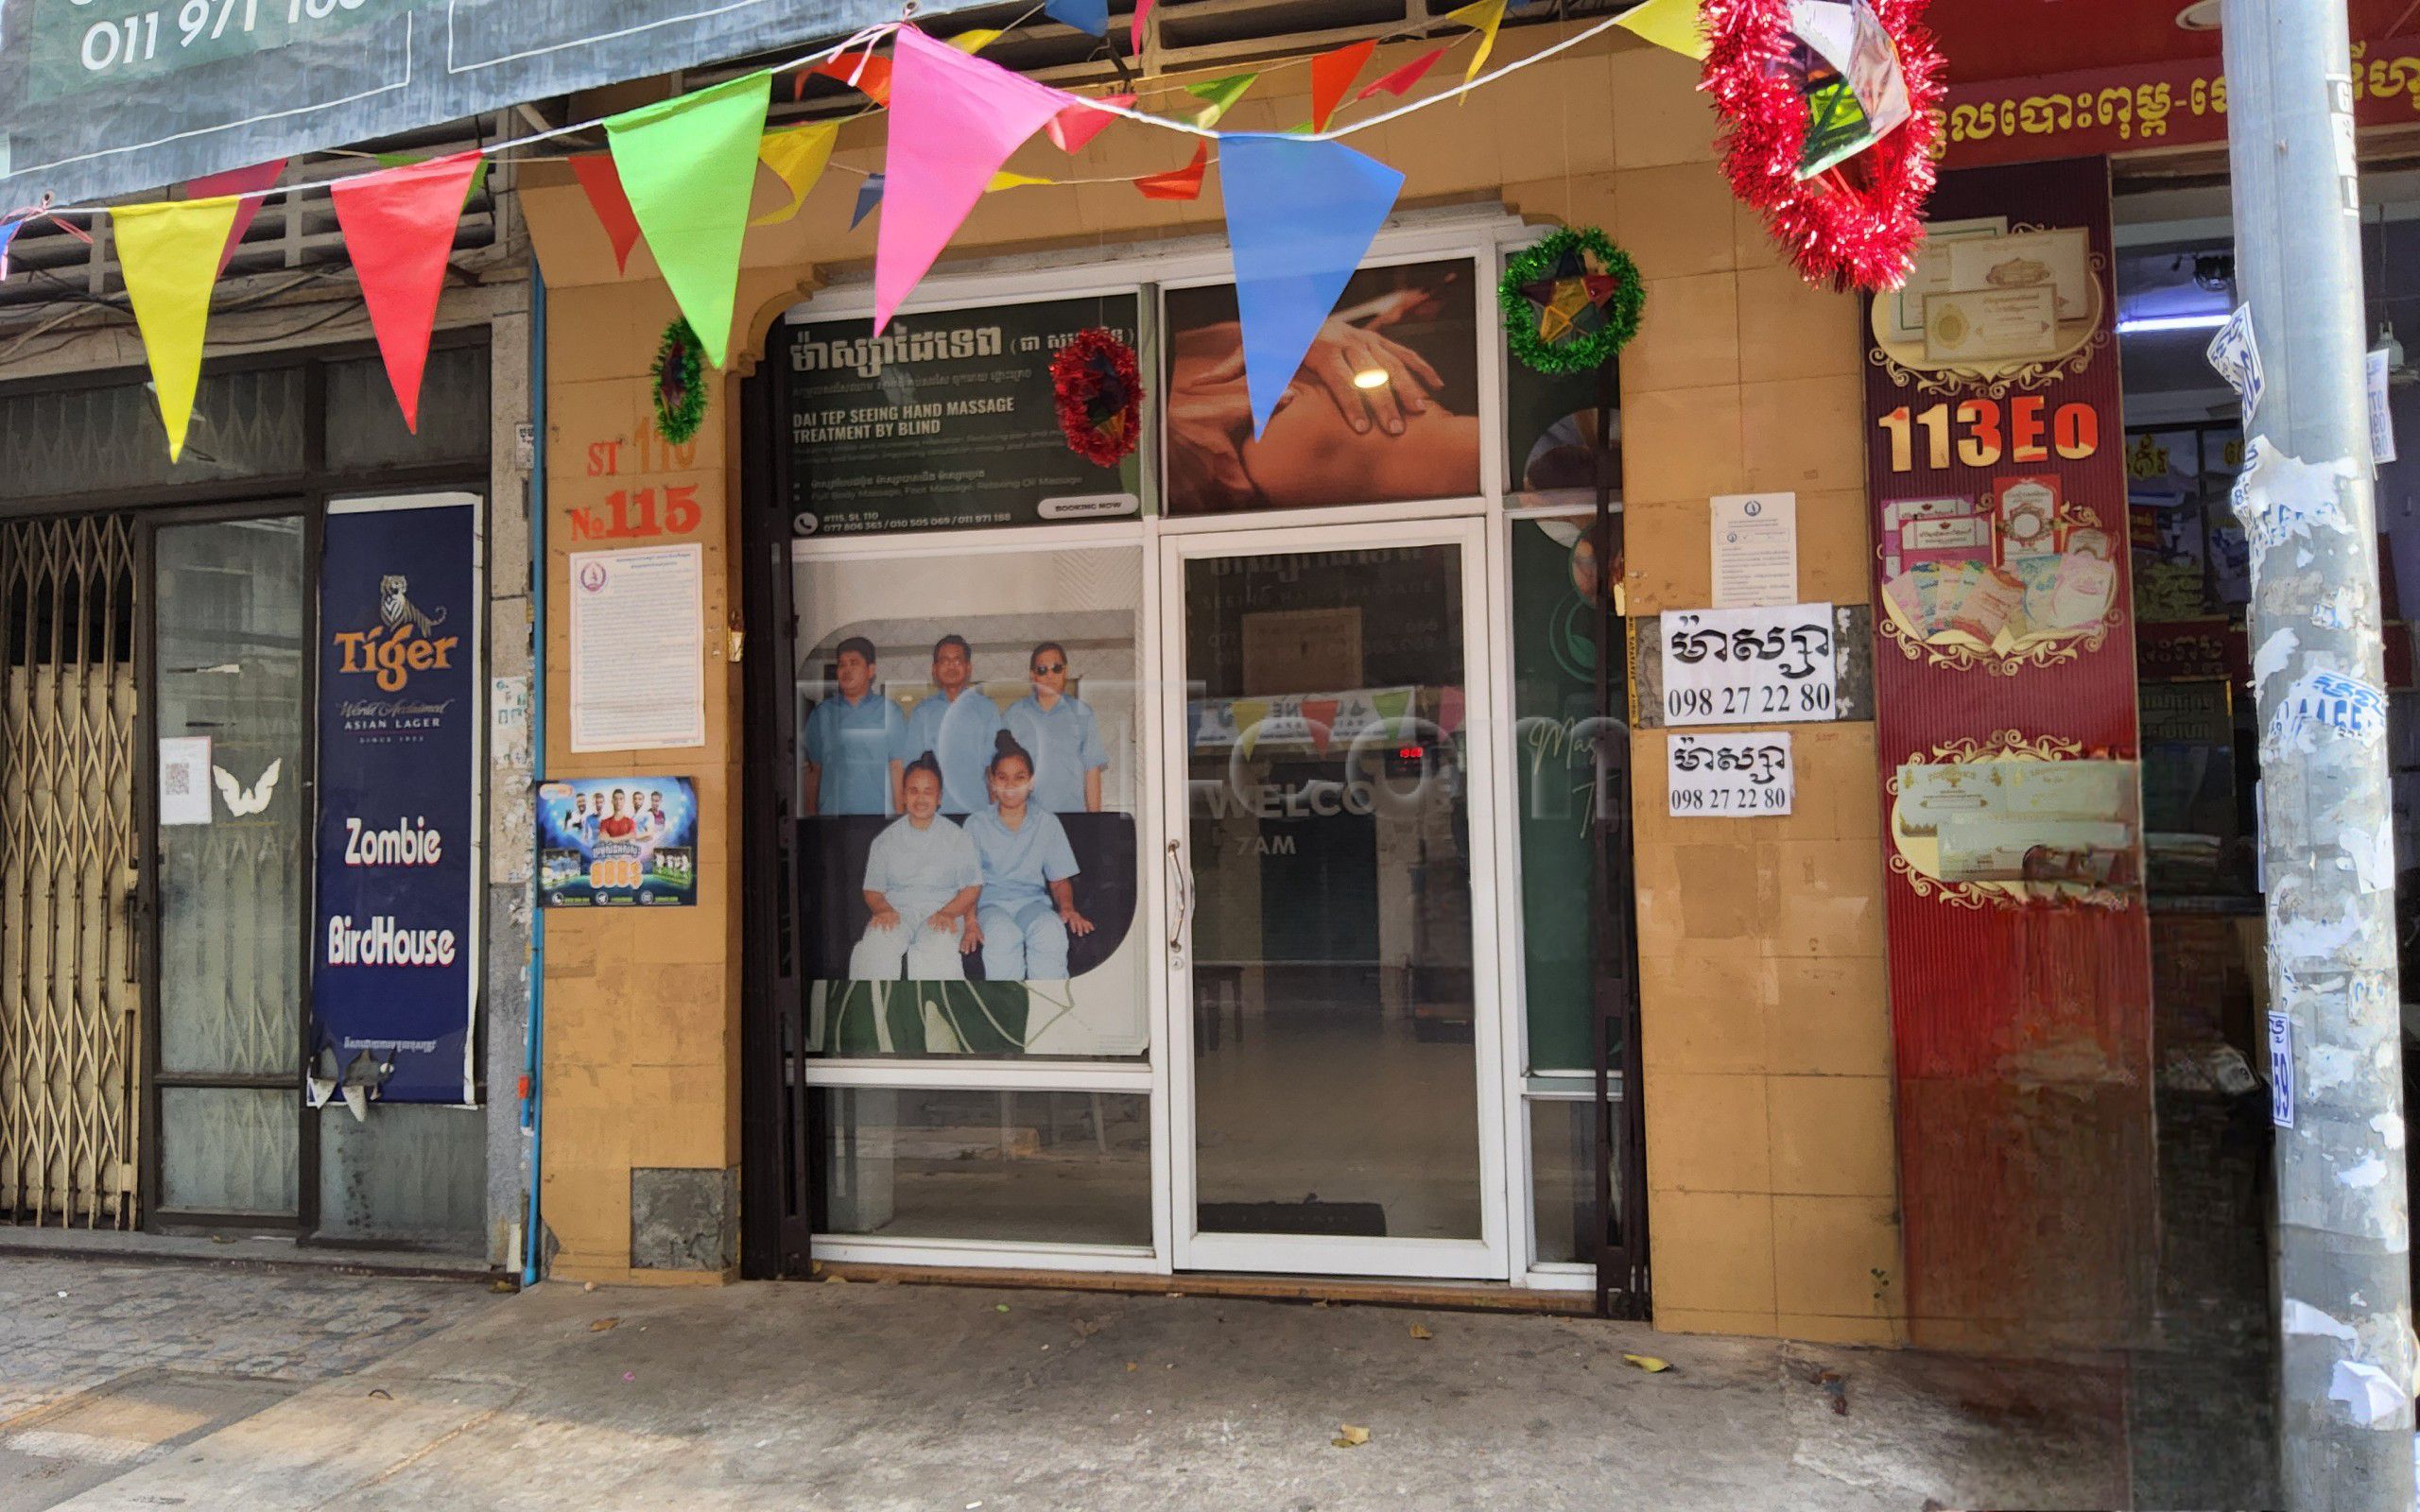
<point>1332,73</point>
<point>1402,78</point>
<point>602,183</point>
<point>246,183</point>
<point>1177,183</point>
<point>1079,124</point>
<point>398,224</point>
<point>868,74</point>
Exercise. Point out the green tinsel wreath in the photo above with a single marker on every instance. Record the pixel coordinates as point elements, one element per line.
<point>678,384</point>
<point>1582,288</point>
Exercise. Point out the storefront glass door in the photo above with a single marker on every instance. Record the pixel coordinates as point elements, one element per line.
<point>1333,1053</point>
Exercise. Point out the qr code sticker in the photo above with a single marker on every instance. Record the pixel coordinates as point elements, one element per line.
<point>177,781</point>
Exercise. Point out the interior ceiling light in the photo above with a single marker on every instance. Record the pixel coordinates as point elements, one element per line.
<point>2202,15</point>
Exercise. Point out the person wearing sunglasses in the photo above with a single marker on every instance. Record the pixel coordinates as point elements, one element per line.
<point>1064,735</point>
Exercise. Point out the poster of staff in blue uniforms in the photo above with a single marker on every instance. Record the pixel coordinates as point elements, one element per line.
<point>617,842</point>
<point>966,790</point>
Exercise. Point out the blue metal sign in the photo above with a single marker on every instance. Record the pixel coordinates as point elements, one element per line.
<point>395,933</point>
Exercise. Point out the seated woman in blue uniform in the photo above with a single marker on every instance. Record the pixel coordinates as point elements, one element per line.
<point>1063,732</point>
<point>921,878</point>
<point>1027,906</point>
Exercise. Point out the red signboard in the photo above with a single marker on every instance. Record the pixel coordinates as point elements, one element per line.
<point>2143,105</point>
<point>2004,689</point>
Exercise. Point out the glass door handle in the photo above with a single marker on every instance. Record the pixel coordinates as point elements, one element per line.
<point>1181,890</point>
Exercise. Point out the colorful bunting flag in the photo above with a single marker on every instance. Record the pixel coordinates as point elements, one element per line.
<point>1085,15</point>
<point>168,255</point>
<point>1134,29</point>
<point>1400,81</point>
<point>797,157</point>
<point>954,121</point>
<point>1332,73</point>
<point>245,184</point>
<point>1222,94</point>
<point>1177,183</point>
<point>689,168</point>
<point>8,234</point>
<point>404,160</point>
<point>603,187</point>
<point>398,225</point>
<point>976,39</point>
<point>1300,216</point>
<point>1670,24</point>
<point>869,74</point>
<point>1005,180</point>
<point>1482,16</point>
<point>869,195</point>
<point>1072,127</point>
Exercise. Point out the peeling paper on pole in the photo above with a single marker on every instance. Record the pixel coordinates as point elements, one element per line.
<point>2280,498</point>
<point>2326,702</point>
<point>2301,1317</point>
<point>2237,356</point>
<point>2370,854</point>
<point>2371,1396</point>
<point>2272,656</point>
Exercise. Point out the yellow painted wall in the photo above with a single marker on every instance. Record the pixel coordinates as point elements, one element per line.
<point>1766,1045</point>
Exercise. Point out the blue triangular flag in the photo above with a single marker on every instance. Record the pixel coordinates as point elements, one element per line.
<point>1300,216</point>
<point>869,195</point>
<point>1085,15</point>
<point>8,234</point>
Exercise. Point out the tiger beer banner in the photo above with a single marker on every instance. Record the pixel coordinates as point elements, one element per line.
<point>394,983</point>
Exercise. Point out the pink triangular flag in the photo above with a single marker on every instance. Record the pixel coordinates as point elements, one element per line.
<point>954,120</point>
<point>1079,124</point>
<point>602,182</point>
<point>246,183</point>
<point>398,225</point>
<point>1134,32</point>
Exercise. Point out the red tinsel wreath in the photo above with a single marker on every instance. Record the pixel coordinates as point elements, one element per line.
<point>1860,222</point>
<point>1101,396</point>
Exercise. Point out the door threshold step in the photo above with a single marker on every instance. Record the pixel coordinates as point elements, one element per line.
<point>1471,1296</point>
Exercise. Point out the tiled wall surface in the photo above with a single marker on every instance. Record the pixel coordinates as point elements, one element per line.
<point>1771,1169</point>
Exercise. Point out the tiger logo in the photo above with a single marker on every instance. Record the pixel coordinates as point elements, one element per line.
<point>395,606</point>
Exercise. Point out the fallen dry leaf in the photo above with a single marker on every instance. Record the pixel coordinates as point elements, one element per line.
<point>1350,1435</point>
<point>1647,1362</point>
<point>1419,1333</point>
<point>604,1323</point>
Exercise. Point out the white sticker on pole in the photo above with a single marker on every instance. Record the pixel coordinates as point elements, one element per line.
<point>1749,666</point>
<point>2281,1069</point>
<point>1740,776</point>
<point>2237,356</point>
<point>2339,121</point>
<point>2382,373</point>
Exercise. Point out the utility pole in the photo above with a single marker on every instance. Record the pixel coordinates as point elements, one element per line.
<point>2327,840</point>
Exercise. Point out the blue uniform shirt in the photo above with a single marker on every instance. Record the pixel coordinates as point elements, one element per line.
<point>958,732</point>
<point>918,871</point>
<point>1017,863</point>
<point>851,744</point>
<point>1065,741</point>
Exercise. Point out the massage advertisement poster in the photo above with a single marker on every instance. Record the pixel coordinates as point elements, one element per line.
<point>617,842</point>
<point>947,421</point>
<point>967,790</point>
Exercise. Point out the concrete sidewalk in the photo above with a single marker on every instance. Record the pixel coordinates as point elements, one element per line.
<point>795,1396</point>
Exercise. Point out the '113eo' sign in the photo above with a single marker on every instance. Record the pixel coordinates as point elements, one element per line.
<point>1744,666</point>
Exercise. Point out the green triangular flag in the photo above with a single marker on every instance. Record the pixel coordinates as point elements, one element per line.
<point>689,168</point>
<point>1222,94</point>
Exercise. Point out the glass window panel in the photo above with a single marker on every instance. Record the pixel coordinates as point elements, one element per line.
<point>1385,407</point>
<point>1555,580</point>
<point>227,1150</point>
<point>366,425</point>
<point>1334,1071</point>
<point>1562,1182</point>
<point>1051,1167</point>
<point>409,1172</point>
<point>1039,647</point>
<point>229,668</point>
<point>247,423</point>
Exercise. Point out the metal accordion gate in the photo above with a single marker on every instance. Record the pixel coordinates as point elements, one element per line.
<point>70,958</point>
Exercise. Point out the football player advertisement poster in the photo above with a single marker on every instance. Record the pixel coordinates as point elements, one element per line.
<point>618,842</point>
<point>394,983</point>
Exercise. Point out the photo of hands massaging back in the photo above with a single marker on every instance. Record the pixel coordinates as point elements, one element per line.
<point>1384,407</point>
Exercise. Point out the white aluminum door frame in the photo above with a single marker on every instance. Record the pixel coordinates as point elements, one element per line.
<point>1487,1258</point>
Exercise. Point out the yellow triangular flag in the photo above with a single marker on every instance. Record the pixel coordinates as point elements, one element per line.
<point>1671,23</point>
<point>797,157</point>
<point>976,41</point>
<point>1482,16</point>
<point>1005,180</point>
<point>168,255</point>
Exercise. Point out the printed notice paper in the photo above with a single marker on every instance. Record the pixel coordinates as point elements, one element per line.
<point>184,779</point>
<point>1740,776</point>
<point>1755,549</point>
<point>638,674</point>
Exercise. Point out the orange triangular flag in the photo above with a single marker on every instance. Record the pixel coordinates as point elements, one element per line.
<point>602,182</point>
<point>398,225</point>
<point>868,74</point>
<point>1079,124</point>
<point>1401,80</point>
<point>1332,73</point>
<point>1177,183</point>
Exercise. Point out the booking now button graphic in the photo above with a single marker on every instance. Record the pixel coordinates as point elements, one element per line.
<point>1090,506</point>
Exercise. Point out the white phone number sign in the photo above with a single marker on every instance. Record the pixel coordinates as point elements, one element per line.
<point>1749,666</point>
<point>1747,775</point>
